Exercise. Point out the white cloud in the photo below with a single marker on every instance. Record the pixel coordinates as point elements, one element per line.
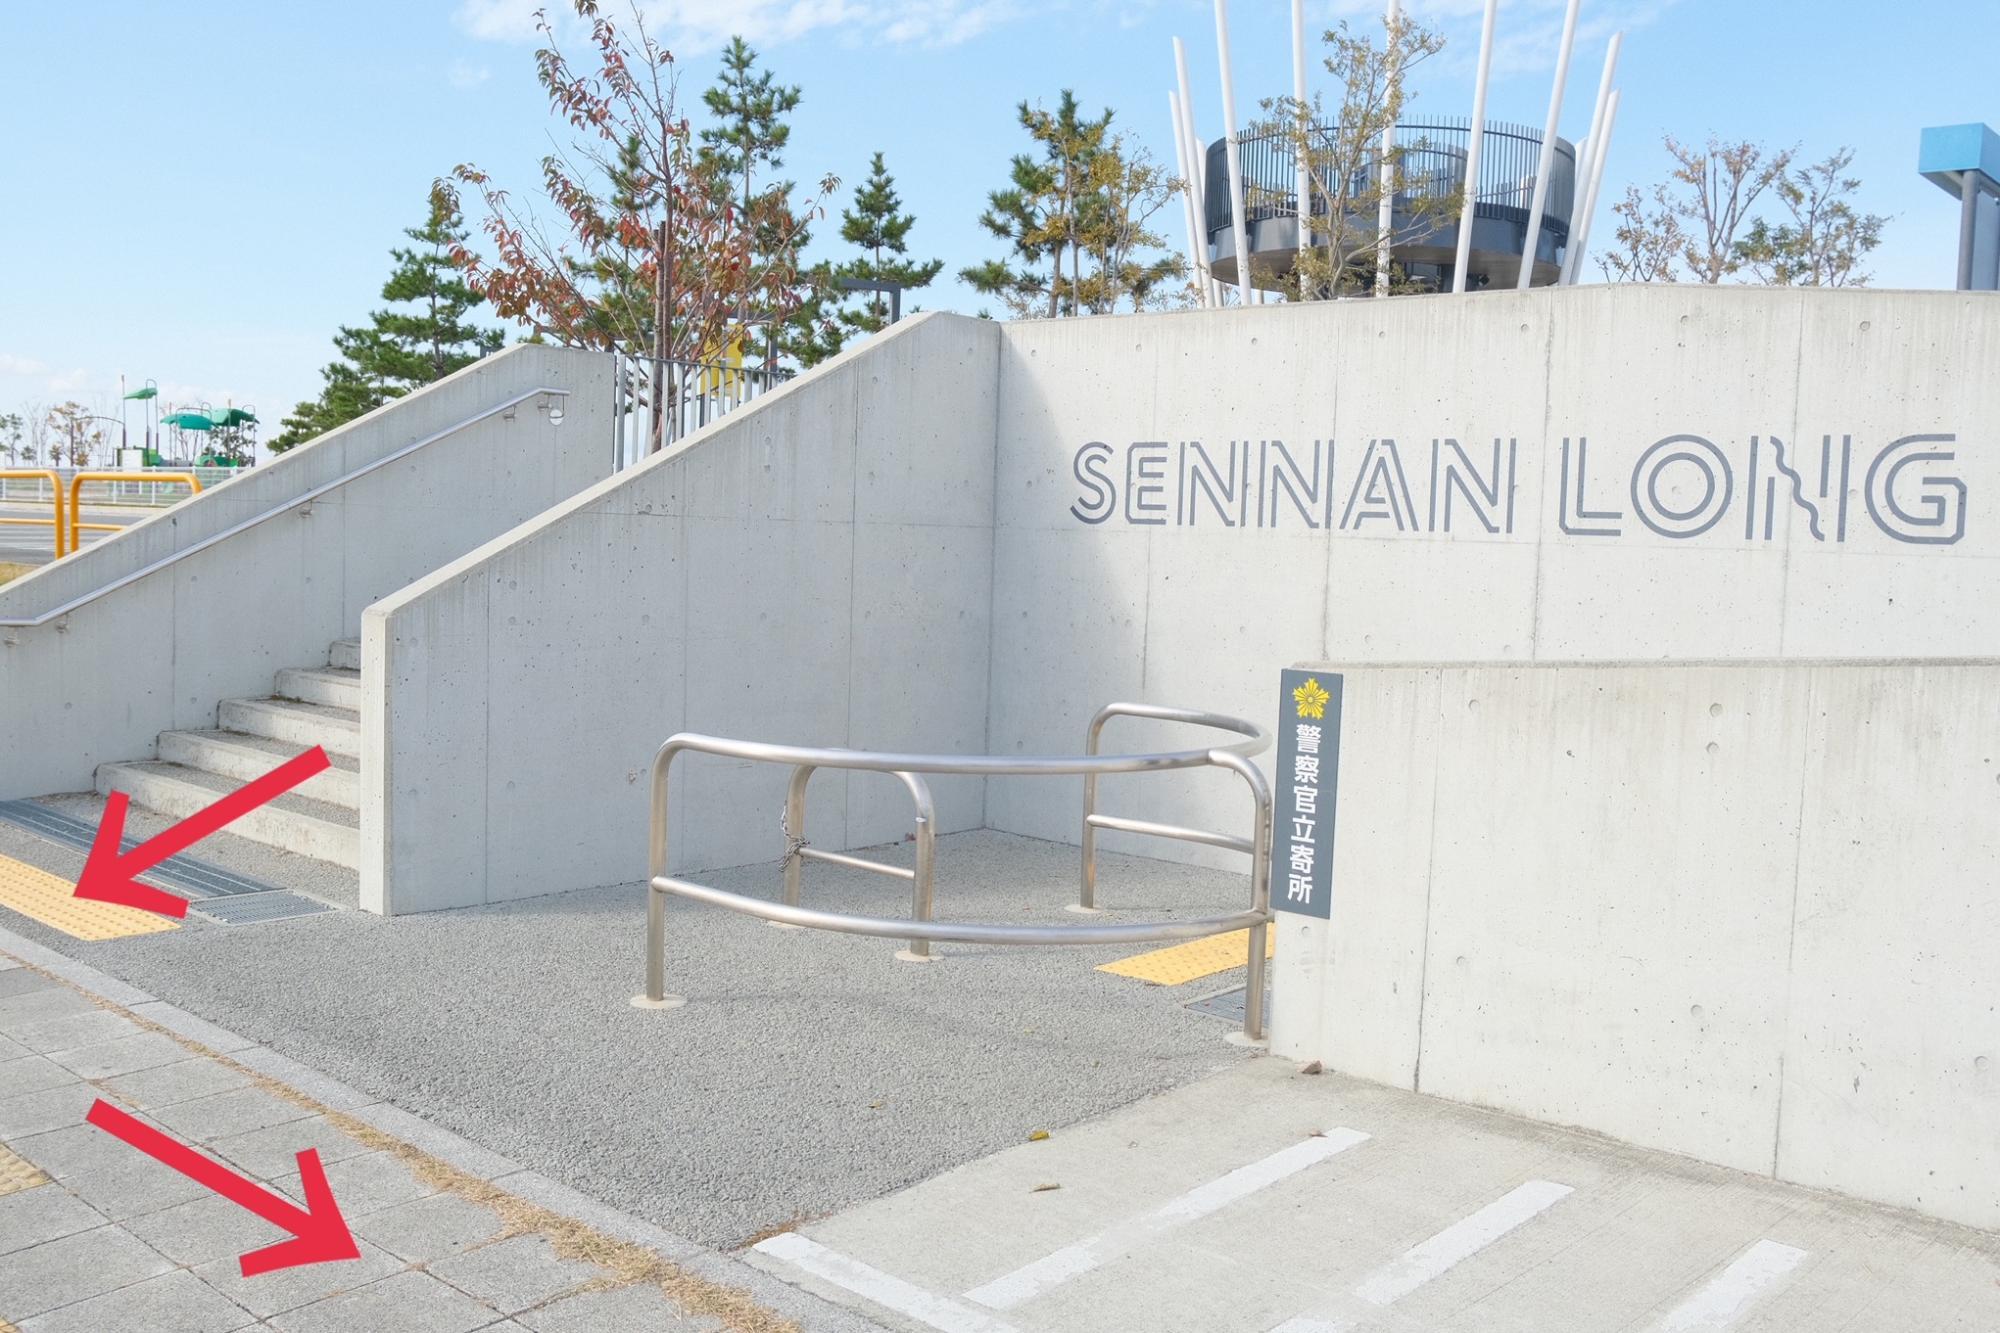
<point>69,382</point>
<point>696,27</point>
<point>20,365</point>
<point>464,75</point>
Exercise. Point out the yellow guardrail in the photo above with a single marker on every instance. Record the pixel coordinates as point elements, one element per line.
<point>56,498</point>
<point>76,523</point>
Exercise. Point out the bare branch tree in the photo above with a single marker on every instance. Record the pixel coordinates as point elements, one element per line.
<point>1718,184</point>
<point>1649,244</point>
<point>1825,241</point>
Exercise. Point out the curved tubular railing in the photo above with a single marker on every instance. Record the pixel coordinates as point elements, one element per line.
<point>77,526</point>
<point>55,496</point>
<point>921,929</point>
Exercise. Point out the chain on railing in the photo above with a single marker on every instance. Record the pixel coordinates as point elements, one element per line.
<point>921,930</point>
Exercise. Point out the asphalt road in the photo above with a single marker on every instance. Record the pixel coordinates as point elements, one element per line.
<point>807,1073</point>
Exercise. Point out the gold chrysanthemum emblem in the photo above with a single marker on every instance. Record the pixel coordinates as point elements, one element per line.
<point>1311,698</point>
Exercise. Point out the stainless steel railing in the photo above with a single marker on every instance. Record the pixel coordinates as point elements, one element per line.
<point>921,930</point>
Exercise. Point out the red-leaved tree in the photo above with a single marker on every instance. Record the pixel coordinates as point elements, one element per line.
<point>648,251</point>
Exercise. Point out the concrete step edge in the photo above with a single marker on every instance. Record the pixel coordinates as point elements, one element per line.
<point>320,685</point>
<point>240,760</point>
<point>289,720</point>
<point>159,788</point>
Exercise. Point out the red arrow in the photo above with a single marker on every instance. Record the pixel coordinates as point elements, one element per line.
<point>319,1232</point>
<point>110,878</point>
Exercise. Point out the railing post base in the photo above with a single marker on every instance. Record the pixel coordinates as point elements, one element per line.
<point>1081,910</point>
<point>1250,1043</point>
<point>664,1002</point>
<point>911,956</point>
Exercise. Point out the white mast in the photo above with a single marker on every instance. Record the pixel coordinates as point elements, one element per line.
<point>1194,242</point>
<point>1385,170</point>
<point>1231,151</point>
<point>1465,215</point>
<point>1303,185</point>
<point>1600,150</point>
<point>1579,221</point>
<point>1548,158</point>
<point>1198,169</point>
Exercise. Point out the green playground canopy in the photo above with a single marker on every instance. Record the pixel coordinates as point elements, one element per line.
<point>229,416</point>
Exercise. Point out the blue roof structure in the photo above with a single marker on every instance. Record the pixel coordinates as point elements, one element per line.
<point>1947,152</point>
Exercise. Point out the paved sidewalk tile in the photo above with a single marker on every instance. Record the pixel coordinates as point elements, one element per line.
<point>274,1151</point>
<point>364,1184</point>
<point>184,1081</point>
<point>226,1114</point>
<point>121,1055</point>
<point>429,1229</point>
<point>42,1214</point>
<point>640,1308</point>
<point>177,1302</point>
<point>204,1228</point>
<point>289,1288</point>
<point>51,1108</point>
<point>32,1073</point>
<point>50,999</point>
<point>75,1268</point>
<point>514,1274</point>
<point>410,1302</point>
<point>72,1030</point>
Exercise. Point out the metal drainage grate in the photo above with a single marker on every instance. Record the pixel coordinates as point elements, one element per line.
<point>182,874</point>
<point>245,909</point>
<point>1227,1005</point>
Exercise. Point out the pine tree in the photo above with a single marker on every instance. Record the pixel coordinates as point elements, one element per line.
<point>425,337</point>
<point>875,225</point>
<point>1041,212</point>
<point>749,136</point>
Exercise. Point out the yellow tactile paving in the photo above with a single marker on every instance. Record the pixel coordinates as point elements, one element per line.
<point>1192,961</point>
<point>17,1174</point>
<point>51,900</point>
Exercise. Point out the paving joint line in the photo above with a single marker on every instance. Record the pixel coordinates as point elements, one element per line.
<point>470,1171</point>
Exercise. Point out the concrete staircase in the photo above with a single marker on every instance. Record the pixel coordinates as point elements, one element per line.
<point>309,706</point>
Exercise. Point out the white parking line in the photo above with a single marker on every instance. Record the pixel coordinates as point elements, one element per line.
<point>1729,1294</point>
<point>1456,1243</point>
<point>1011,1289</point>
<point>889,1292</point>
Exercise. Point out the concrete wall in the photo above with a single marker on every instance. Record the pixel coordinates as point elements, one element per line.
<point>1746,912</point>
<point>1851,438</point>
<point>101,683</point>
<point>815,568</point>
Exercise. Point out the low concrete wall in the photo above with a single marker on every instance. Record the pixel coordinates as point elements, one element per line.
<point>1744,912</point>
<point>158,654</point>
<point>815,569</point>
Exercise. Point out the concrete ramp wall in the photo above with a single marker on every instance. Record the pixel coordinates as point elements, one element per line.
<point>1746,912</point>
<point>100,683</point>
<point>815,568</point>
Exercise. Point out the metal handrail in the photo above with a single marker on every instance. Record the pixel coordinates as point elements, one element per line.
<point>76,523</point>
<point>55,496</point>
<point>166,561</point>
<point>921,929</point>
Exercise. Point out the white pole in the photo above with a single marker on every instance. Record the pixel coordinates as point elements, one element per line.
<point>1465,213</point>
<point>1600,149</point>
<point>1580,226</point>
<point>1385,173</point>
<point>1198,165</point>
<point>1303,185</point>
<point>1547,162</point>
<point>1239,232</point>
<point>1195,244</point>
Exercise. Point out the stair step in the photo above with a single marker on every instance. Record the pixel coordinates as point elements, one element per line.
<point>345,654</point>
<point>305,724</point>
<point>242,758</point>
<point>292,823</point>
<point>333,686</point>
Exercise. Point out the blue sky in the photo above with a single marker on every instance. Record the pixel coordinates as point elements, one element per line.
<point>202,192</point>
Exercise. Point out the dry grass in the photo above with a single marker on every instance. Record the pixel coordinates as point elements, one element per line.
<point>10,570</point>
<point>625,1263</point>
